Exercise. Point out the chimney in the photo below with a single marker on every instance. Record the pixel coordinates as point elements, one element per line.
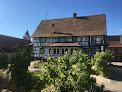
<point>74,15</point>
<point>52,28</point>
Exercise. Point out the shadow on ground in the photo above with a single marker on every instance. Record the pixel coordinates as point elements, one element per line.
<point>107,91</point>
<point>102,89</point>
<point>116,72</point>
<point>114,83</point>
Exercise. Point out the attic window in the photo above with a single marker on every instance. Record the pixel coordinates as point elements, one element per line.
<point>52,28</point>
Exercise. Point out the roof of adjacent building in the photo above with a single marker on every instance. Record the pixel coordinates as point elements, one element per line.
<point>12,42</point>
<point>62,45</point>
<point>114,44</point>
<point>79,26</point>
<point>112,38</point>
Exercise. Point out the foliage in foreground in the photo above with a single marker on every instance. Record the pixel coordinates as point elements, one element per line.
<point>20,75</point>
<point>65,74</point>
<point>100,61</point>
<point>17,72</point>
<point>69,74</point>
<point>4,61</point>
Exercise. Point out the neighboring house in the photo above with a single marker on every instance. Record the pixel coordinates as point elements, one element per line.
<point>55,37</point>
<point>9,44</point>
<point>115,46</point>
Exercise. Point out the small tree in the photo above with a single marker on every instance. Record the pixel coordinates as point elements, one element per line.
<point>23,79</point>
<point>100,61</point>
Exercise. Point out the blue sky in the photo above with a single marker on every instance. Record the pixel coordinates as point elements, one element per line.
<point>17,15</point>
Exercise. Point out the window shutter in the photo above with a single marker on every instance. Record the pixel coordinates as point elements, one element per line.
<point>74,39</point>
<point>58,39</point>
<point>40,40</point>
<point>65,39</point>
<point>94,51</point>
<point>45,39</point>
<point>92,41</point>
<point>41,51</point>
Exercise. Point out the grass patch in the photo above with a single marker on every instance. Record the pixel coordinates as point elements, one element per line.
<point>39,65</point>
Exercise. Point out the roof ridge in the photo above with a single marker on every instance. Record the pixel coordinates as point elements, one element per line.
<point>12,37</point>
<point>76,17</point>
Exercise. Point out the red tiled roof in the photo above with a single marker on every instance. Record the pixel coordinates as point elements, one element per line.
<point>62,45</point>
<point>114,44</point>
<point>79,26</point>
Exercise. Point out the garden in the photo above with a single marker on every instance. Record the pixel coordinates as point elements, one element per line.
<point>63,74</point>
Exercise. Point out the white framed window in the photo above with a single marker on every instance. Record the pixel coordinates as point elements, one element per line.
<point>62,51</point>
<point>66,49</point>
<point>55,40</point>
<point>61,39</point>
<point>43,39</point>
<point>56,51</point>
<point>49,51</point>
<point>71,51</point>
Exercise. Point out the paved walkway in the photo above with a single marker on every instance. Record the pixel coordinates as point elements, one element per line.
<point>114,84</point>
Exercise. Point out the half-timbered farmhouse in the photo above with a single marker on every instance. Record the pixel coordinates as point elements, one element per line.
<point>55,37</point>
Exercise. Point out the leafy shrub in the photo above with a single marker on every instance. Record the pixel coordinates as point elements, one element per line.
<point>99,60</point>
<point>32,83</point>
<point>69,74</point>
<point>20,75</point>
